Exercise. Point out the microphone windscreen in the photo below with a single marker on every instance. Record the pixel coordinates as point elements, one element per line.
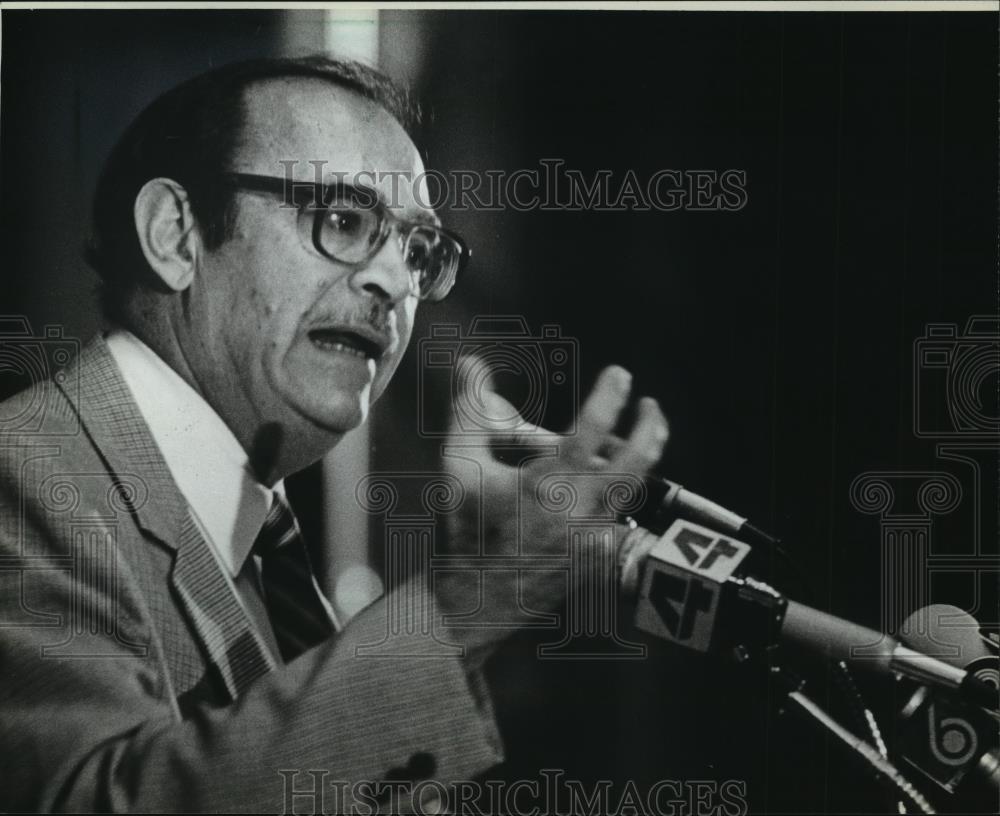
<point>952,636</point>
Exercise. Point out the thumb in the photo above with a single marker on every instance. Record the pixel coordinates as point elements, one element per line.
<point>473,409</point>
<point>635,544</point>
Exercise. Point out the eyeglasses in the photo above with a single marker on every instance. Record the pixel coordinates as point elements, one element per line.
<point>350,225</point>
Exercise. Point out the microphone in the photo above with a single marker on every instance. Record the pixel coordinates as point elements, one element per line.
<point>952,635</point>
<point>945,740</point>
<point>666,498</point>
<point>842,640</point>
<point>690,595</point>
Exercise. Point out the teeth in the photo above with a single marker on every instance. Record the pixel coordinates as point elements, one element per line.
<point>335,346</point>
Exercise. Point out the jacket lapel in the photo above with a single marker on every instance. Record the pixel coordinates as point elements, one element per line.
<point>112,420</point>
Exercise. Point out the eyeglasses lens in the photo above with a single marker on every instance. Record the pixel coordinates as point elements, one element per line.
<point>350,233</point>
<point>433,257</point>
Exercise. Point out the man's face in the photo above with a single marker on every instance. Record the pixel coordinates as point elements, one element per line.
<point>307,342</point>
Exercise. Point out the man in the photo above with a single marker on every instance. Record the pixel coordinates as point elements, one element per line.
<point>162,643</point>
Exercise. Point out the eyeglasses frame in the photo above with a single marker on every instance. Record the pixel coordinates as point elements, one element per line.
<point>316,195</point>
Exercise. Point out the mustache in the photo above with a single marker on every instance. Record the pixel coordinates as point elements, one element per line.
<point>375,315</point>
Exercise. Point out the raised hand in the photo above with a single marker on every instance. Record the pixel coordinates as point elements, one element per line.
<point>502,466</point>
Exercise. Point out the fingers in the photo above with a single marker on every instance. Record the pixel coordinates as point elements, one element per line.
<point>478,408</point>
<point>599,414</point>
<point>644,446</point>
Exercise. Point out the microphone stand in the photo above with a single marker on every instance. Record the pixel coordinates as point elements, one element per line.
<point>762,610</point>
<point>880,765</point>
<point>757,614</point>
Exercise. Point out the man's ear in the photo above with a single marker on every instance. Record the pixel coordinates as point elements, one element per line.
<point>167,233</point>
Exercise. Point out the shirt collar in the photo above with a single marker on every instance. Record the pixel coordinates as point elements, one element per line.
<point>206,460</point>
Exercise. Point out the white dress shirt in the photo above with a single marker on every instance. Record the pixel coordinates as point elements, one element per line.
<point>208,463</point>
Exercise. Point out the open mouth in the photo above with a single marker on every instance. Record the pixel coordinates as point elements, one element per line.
<point>346,342</point>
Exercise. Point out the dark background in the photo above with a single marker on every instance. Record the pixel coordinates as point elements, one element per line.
<point>779,339</point>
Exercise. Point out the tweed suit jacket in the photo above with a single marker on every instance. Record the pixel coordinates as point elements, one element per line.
<point>117,627</point>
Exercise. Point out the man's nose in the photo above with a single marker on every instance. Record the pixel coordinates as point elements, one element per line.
<point>386,274</point>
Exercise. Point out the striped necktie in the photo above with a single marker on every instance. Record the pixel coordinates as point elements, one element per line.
<point>300,616</point>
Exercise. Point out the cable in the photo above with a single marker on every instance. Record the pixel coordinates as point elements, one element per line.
<point>880,764</point>
<point>863,717</point>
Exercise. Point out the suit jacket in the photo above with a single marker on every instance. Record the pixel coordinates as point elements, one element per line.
<point>117,632</point>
